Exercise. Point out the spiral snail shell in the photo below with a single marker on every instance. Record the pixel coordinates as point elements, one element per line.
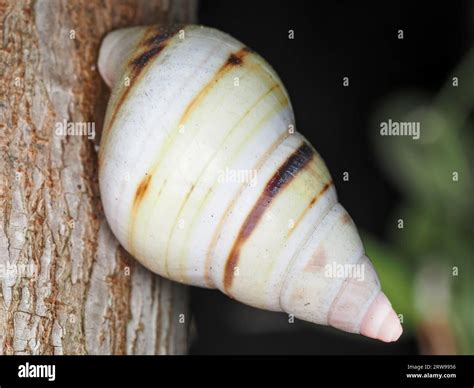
<point>189,103</point>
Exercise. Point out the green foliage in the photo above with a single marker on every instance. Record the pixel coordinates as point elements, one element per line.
<point>396,276</point>
<point>436,176</point>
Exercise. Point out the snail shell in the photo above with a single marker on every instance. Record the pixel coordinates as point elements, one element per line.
<point>190,106</point>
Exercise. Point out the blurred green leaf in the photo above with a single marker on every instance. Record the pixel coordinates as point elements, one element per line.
<point>396,277</point>
<point>426,169</point>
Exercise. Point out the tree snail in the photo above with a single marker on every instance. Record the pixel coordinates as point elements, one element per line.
<point>204,181</point>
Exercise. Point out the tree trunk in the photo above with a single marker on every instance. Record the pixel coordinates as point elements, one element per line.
<point>67,287</point>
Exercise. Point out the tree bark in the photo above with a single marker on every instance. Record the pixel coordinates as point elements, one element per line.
<point>67,287</point>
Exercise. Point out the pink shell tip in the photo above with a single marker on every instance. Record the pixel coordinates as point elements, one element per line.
<point>381,322</point>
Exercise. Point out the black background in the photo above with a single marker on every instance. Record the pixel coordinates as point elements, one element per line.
<point>333,40</point>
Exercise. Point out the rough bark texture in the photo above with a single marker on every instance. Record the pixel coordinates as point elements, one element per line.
<point>67,287</point>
